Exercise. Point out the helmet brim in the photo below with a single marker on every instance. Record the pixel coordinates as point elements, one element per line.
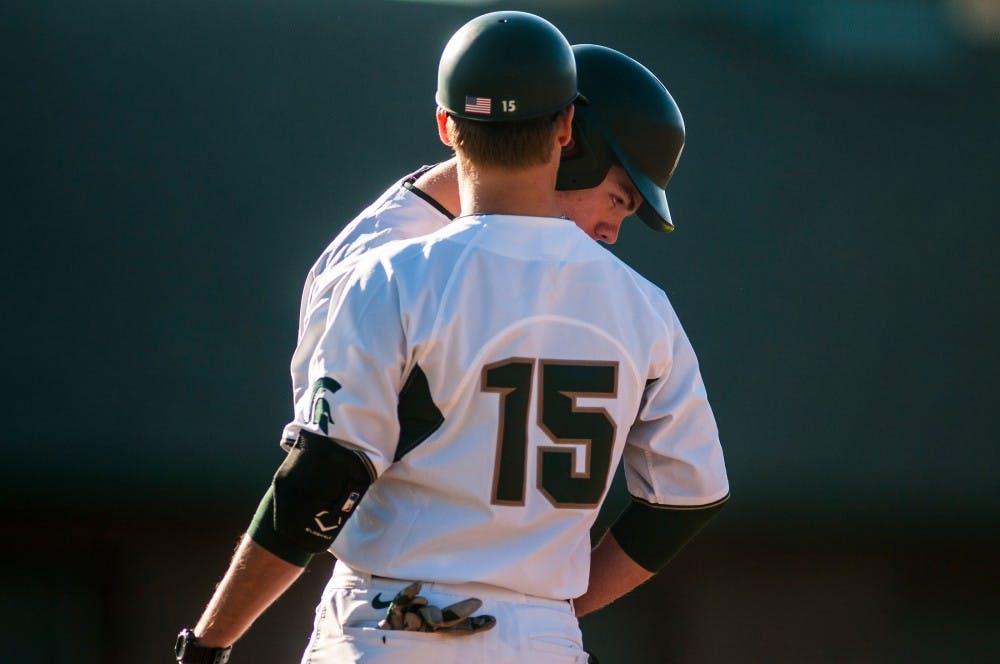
<point>654,211</point>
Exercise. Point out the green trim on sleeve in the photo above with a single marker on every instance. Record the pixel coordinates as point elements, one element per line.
<point>653,534</point>
<point>262,531</point>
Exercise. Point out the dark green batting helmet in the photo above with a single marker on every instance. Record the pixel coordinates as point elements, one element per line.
<point>630,120</point>
<point>506,66</point>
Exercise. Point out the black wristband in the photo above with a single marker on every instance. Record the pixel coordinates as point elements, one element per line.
<point>187,650</point>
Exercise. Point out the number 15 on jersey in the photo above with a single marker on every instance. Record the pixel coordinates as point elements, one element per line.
<point>565,423</point>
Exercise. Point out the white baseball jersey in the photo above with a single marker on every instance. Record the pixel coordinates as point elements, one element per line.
<point>399,213</point>
<point>495,372</point>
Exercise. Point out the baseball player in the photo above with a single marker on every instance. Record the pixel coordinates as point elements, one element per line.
<point>479,384</point>
<point>628,135</point>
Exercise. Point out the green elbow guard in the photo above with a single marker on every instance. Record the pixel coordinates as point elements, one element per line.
<point>652,534</point>
<point>314,492</point>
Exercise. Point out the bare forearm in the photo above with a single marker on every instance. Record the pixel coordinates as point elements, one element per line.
<point>612,574</point>
<point>256,577</point>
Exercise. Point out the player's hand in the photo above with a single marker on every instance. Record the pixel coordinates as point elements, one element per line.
<point>412,613</point>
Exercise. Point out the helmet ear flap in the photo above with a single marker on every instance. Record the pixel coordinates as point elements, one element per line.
<point>588,163</point>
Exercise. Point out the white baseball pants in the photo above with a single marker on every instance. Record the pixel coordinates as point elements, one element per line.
<point>529,629</point>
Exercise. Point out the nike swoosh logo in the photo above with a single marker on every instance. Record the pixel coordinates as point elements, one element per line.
<point>379,603</point>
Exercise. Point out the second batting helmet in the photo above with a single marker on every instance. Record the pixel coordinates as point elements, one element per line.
<point>630,120</point>
<point>506,66</point>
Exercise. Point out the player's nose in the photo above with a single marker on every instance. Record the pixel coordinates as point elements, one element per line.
<point>606,232</point>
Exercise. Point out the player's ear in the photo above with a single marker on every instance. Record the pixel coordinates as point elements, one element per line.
<point>564,126</point>
<point>442,122</point>
<point>570,150</point>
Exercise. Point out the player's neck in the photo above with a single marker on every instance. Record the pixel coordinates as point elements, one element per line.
<point>526,191</point>
<point>441,184</point>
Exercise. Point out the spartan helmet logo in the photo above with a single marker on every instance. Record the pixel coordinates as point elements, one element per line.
<point>319,411</point>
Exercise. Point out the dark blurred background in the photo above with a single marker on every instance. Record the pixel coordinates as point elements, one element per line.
<point>171,170</point>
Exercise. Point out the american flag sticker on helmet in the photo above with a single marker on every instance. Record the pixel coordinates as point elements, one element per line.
<point>480,105</point>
